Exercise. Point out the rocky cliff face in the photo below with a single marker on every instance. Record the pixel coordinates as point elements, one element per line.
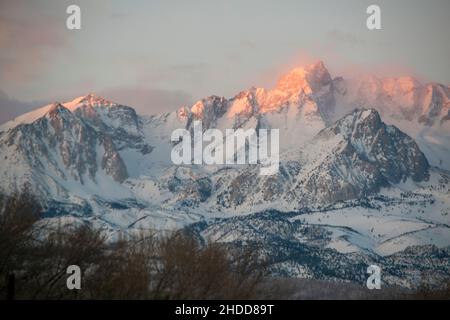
<point>366,156</point>
<point>65,145</point>
<point>353,158</point>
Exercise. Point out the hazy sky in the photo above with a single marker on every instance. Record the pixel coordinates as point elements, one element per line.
<point>157,55</point>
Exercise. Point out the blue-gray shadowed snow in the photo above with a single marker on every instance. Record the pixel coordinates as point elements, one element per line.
<point>354,186</point>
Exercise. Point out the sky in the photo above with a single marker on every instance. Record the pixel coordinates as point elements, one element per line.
<point>159,55</point>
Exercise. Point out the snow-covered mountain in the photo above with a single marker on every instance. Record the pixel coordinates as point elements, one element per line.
<point>363,170</point>
<point>420,110</point>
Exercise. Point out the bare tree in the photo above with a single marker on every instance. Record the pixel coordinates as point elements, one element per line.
<point>35,255</point>
<point>18,215</point>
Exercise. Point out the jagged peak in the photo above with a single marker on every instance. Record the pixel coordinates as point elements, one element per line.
<point>367,118</point>
<point>205,104</point>
<point>56,107</point>
<point>309,79</point>
<point>90,100</point>
<point>363,114</point>
<point>436,85</point>
<point>316,67</point>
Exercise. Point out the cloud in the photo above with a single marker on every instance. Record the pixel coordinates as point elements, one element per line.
<point>188,67</point>
<point>343,37</point>
<point>247,44</point>
<point>29,37</point>
<point>148,100</point>
<point>11,108</point>
<point>170,74</point>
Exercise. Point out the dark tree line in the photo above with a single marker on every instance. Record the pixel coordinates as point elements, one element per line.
<point>35,254</point>
<point>34,257</point>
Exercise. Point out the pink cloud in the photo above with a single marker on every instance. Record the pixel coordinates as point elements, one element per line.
<point>29,38</point>
<point>148,100</point>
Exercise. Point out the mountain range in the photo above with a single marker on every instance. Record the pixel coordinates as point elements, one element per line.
<point>363,177</point>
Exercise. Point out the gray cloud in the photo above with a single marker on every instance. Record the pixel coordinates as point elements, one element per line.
<point>343,37</point>
<point>148,100</point>
<point>187,46</point>
<point>11,108</point>
<point>29,40</point>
